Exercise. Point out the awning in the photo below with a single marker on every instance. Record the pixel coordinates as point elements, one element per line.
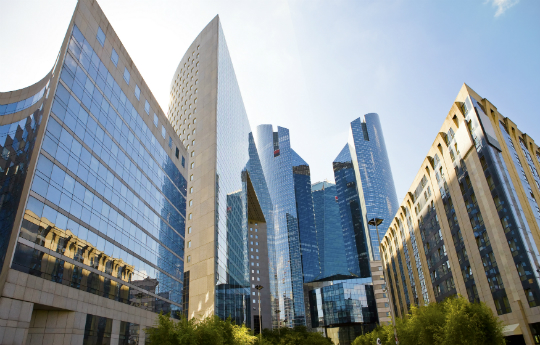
<point>514,329</point>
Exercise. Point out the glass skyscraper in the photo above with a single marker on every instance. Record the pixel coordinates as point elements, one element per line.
<point>350,299</point>
<point>296,251</point>
<point>378,198</point>
<point>352,222</point>
<point>93,196</point>
<point>330,237</point>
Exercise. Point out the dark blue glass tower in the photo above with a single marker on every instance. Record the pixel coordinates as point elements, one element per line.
<point>329,230</point>
<point>352,222</point>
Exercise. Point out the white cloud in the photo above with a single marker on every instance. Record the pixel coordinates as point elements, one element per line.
<point>502,5</point>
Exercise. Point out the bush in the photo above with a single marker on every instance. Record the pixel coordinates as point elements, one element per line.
<point>209,331</point>
<point>452,322</point>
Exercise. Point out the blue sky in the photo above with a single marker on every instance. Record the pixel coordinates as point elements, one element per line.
<point>314,66</point>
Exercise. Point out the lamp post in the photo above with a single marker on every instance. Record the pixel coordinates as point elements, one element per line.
<point>278,322</point>
<point>376,222</point>
<point>259,288</point>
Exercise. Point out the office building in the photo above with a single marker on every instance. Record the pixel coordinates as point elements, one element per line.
<point>93,198</point>
<point>208,114</point>
<point>329,231</point>
<point>351,298</point>
<point>471,221</point>
<point>295,240</point>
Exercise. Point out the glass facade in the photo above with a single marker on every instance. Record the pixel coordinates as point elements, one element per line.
<point>232,270</point>
<point>343,302</point>
<point>329,233</point>
<point>378,198</point>
<point>17,142</point>
<point>352,223</point>
<point>11,108</point>
<point>106,211</point>
<point>289,184</point>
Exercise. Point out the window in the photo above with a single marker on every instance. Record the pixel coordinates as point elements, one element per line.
<point>155,120</point>
<point>178,154</point>
<point>189,244</point>
<point>147,107</point>
<point>191,177</point>
<point>190,216</point>
<point>170,142</point>
<point>184,165</point>
<point>137,92</point>
<point>191,190</point>
<point>100,36</point>
<point>114,57</point>
<point>192,153</point>
<point>163,132</point>
<point>189,230</point>
<point>192,165</point>
<point>126,75</point>
<point>189,258</point>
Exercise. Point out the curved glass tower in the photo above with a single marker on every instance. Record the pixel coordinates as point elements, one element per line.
<point>378,198</point>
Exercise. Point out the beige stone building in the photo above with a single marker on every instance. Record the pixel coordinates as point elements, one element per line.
<point>208,114</point>
<point>92,198</point>
<point>471,221</point>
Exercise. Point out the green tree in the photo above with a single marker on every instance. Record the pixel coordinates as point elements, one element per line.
<point>454,321</point>
<point>293,336</point>
<point>209,331</point>
<point>470,323</point>
<point>169,332</point>
<point>385,333</point>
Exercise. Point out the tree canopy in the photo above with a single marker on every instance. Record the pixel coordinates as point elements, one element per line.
<point>214,331</point>
<point>452,322</point>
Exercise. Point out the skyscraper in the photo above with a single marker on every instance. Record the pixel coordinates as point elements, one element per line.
<point>471,220</point>
<point>375,184</point>
<point>208,114</point>
<point>296,251</point>
<point>330,239</point>
<point>92,199</point>
<point>351,299</point>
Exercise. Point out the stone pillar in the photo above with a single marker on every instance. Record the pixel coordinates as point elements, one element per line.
<point>115,332</point>
<point>15,318</point>
<point>56,327</point>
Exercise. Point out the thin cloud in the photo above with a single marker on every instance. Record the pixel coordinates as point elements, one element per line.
<point>502,5</point>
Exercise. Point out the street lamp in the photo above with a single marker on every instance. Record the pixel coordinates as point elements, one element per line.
<point>259,288</point>
<point>376,222</point>
<point>278,322</point>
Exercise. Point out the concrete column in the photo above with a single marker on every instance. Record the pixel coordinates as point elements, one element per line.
<point>115,332</point>
<point>15,316</point>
